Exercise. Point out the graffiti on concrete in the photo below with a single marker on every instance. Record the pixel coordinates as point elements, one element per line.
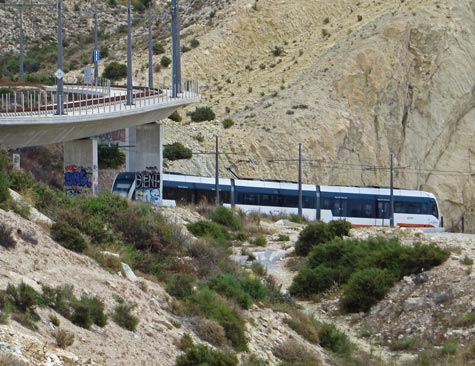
<point>113,137</point>
<point>77,179</point>
<point>147,187</point>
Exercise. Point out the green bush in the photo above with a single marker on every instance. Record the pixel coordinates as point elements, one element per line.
<point>177,151</point>
<point>165,61</point>
<point>21,181</point>
<point>158,48</point>
<point>337,261</point>
<point>226,217</point>
<point>123,317</point>
<point>201,355</point>
<point>110,156</point>
<point>334,340</point>
<point>208,229</point>
<point>115,71</point>
<point>181,285</point>
<point>175,116</point>
<point>201,114</point>
<point>313,234</point>
<point>339,228</point>
<point>228,123</point>
<point>365,288</point>
<point>87,311</point>
<point>194,43</point>
<point>259,240</point>
<point>68,237</point>
<point>229,286</point>
<point>313,281</point>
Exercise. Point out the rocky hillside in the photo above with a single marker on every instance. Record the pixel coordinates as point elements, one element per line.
<point>353,82</point>
<point>419,312</point>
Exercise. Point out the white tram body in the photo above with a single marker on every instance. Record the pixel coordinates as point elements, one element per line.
<point>362,206</point>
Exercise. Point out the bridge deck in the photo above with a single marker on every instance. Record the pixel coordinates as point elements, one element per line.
<point>89,116</point>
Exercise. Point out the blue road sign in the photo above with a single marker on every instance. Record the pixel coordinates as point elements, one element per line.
<point>95,55</point>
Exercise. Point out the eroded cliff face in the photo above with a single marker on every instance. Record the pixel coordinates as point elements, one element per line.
<point>381,79</point>
<point>353,82</point>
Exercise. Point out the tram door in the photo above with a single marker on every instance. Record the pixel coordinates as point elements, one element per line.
<point>340,208</point>
<point>382,212</point>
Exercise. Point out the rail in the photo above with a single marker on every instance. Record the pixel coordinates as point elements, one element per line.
<point>88,99</point>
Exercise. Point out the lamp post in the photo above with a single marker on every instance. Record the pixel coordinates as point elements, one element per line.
<point>217,173</point>
<point>150,47</point>
<point>300,181</point>
<point>129,56</point>
<point>96,50</point>
<point>391,194</point>
<point>59,73</point>
<point>176,64</point>
<point>21,45</point>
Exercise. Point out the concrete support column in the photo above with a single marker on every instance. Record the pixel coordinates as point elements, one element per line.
<point>131,155</point>
<point>148,163</point>
<point>81,172</point>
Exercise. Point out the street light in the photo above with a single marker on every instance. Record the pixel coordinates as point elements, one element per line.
<point>129,55</point>
<point>60,73</point>
<point>176,64</point>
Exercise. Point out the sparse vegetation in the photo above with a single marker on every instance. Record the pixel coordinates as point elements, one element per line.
<point>123,317</point>
<point>228,123</point>
<point>277,51</point>
<point>203,355</point>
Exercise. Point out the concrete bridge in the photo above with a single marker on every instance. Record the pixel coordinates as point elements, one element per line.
<point>89,111</point>
<point>31,120</point>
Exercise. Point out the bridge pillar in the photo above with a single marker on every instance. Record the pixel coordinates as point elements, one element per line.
<point>81,167</point>
<point>146,158</point>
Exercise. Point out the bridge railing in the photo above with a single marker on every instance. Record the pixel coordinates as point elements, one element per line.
<point>89,99</point>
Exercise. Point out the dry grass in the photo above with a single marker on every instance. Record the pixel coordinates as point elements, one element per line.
<point>210,331</point>
<point>8,359</point>
<point>64,338</point>
<point>293,351</point>
<point>304,325</point>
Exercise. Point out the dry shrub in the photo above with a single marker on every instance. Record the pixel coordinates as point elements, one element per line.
<point>6,237</point>
<point>210,331</point>
<point>304,325</point>
<point>27,236</point>
<point>293,351</point>
<point>64,338</point>
<point>9,359</point>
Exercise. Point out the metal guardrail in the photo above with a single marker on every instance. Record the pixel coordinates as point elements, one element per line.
<point>88,99</point>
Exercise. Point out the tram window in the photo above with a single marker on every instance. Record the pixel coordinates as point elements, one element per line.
<point>308,202</point>
<point>408,207</point>
<point>225,197</point>
<point>290,201</point>
<point>382,210</point>
<point>361,208</point>
<point>435,211</point>
<point>327,203</point>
